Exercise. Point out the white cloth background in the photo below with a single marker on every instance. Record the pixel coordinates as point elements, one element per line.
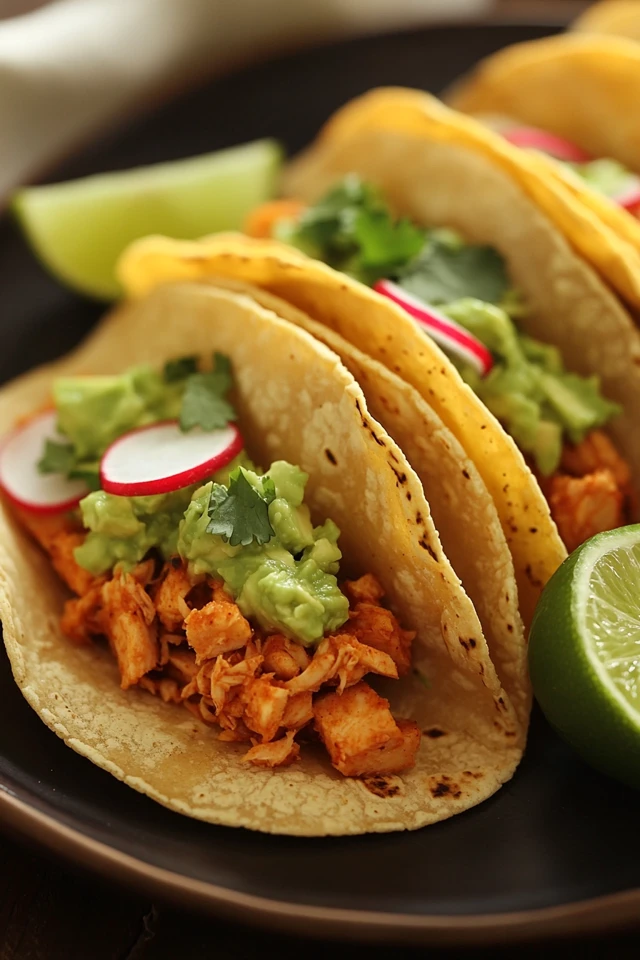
<point>73,66</point>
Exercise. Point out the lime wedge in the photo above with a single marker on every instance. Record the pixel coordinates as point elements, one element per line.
<point>584,652</point>
<point>78,228</point>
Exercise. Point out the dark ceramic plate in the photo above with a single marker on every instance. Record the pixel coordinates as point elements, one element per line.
<point>558,849</point>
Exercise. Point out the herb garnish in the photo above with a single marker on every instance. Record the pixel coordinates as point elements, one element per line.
<point>240,514</point>
<point>203,403</point>
<point>57,458</point>
<point>353,230</point>
<point>180,368</point>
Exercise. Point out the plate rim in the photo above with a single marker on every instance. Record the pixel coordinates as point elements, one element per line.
<point>617,911</point>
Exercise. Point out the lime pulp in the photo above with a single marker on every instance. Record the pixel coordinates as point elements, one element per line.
<point>584,652</point>
<point>79,228</point>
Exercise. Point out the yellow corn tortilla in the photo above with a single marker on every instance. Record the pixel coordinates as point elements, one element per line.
<point>586,88</point>
<point>619,18</point>
<point>440,169</point>
<point>464,513</point>
<point>386,333</point>
<point>297,401</point>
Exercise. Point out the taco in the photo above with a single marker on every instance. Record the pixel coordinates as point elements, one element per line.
<point>565,353</point>
<point>252,545</point>
<point>570,101</point>
<point>618,18</point>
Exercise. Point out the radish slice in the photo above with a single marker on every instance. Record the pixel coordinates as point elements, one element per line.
<point>448,334</point>
<point>20,478</point>
<point>558,147</point>
<point>160,458</point>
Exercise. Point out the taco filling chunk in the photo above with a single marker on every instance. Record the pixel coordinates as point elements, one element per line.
<point>462,297</point>
<point>204,573</point>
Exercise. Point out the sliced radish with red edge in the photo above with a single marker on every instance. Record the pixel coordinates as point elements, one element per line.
<point>160,458</point>
<point>528,138</point>
<point>448,334</point>
<point>20,478</point>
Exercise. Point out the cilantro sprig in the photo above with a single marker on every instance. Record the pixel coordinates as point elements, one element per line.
<point>353,230</point>
<point>447,270</point>
<point>203,401</point>
<point>57,458</point>
<point>240,513</point>
<point>62,458</point>
<point>180,368</point>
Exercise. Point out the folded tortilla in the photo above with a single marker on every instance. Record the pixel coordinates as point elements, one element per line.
<point>440,169</point>
<point>296,401</point>
<point>584,87</point>
<point>618,18</point>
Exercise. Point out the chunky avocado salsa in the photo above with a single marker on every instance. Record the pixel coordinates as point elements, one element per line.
<point>251,530</point>
<point>221,594</point>
<point>553,414</point>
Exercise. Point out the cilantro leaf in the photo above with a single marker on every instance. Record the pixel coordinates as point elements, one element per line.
<point>57,458</point>
<point>242,514</point>
<point>268,489</point>
<point>222,370</point>
<point>385,244</point>
<point>89,472</point>
<point>203,404</point>
<point>180,368</point>
<point>443,273</point>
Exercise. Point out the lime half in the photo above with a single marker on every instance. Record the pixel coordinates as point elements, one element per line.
<point>584,652</point>
<point>79,228</point>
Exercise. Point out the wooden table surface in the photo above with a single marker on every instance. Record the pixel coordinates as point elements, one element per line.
<point>49,911</point>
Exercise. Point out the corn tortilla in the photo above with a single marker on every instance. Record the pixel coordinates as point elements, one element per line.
<point>375,497</point>
<point>586,88</point>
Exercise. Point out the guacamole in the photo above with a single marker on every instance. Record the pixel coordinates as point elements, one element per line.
<point>606,176</point>
<point>528,389</point>
<point>288,583</point>
<point>249,529</point>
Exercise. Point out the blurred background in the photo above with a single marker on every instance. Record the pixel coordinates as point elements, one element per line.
<point>71,68</point>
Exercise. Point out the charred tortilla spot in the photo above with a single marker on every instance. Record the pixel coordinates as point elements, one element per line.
<point>434,732</point>
<point>472,643</point>
<point>330,457</point>
<point>510,627</point>
<point>424,543</point>
<point>444,788</point>
<point>400,475</point>
<point>381,786</point>
<point>463,643</point>
<point>465,474</point>
<point>408,494</point>
<point>533,529</point>
<point>418,518</point>
<point>534,581</point>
